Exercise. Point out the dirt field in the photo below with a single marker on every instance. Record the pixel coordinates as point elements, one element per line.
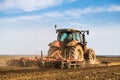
<point>90,72</point>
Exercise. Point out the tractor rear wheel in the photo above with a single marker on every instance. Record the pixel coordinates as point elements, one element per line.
<point>90,56</point>
<point>54,52</point>
<point>51,50</point>
<point>77,52</point>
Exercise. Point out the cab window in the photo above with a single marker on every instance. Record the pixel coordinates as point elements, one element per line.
<point>62,36</point>
<point>77,37</point>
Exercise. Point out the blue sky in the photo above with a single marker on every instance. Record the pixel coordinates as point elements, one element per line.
<point>27,26</point>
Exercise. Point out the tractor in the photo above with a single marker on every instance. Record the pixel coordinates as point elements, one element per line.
<point>70,49</point>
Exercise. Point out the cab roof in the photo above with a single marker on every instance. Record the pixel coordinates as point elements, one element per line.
<point>67,30</point>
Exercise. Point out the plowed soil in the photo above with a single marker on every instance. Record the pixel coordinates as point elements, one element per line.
<point>91,72</point>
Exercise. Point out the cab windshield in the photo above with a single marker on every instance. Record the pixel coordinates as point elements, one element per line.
<point>65,36</point>
<point>68,36</point>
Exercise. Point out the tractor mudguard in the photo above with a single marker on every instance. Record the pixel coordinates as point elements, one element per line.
<point>55,44</point>
<point>72,43</point>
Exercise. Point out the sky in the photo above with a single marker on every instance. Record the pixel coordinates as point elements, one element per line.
<point>27,26</point>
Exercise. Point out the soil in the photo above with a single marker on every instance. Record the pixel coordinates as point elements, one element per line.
<point>89,72</point>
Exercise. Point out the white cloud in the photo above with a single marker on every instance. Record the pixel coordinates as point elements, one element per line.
<point>72,0</point>
<point>53,14</point>
<point>89,10</point>
<point>38,17</point>
<point>72,13</point>
<point>27,5</point>
<point>114,8</point>
<point>22,18</point>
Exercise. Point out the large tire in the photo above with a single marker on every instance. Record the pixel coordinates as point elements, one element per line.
<point>77,52</point>
<point>54,52</point>
<point>90,56</point>
<point>51,50</point>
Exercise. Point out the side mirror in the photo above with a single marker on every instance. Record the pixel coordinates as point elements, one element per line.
<point>87,32</point>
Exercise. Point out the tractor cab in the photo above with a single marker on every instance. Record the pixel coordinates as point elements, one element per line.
<point>67,35</point>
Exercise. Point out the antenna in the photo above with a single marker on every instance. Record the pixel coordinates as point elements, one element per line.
<point>55,28</point>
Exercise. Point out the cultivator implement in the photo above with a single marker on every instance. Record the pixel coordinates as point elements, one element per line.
<point>70,49</point>
<point>48,62</point>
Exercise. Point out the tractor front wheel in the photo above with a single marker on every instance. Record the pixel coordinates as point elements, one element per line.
<point>90,56</point>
